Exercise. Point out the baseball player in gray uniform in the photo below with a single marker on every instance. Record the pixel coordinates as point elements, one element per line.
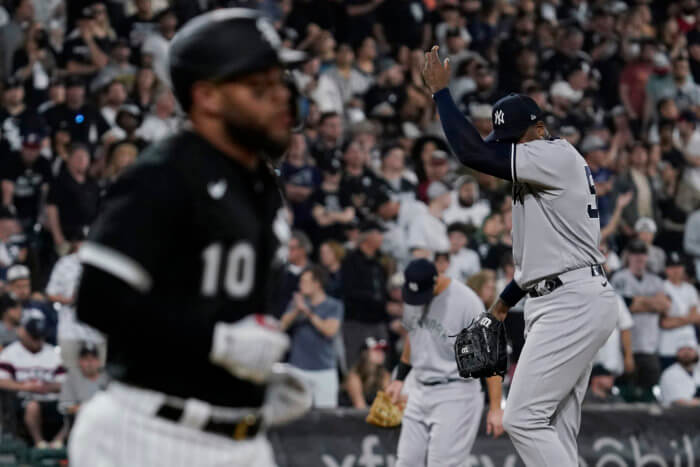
<point>443,411</point>
<point>572,309</point>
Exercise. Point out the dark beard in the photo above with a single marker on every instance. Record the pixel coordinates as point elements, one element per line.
<point>465,204</point>
<point>254,139</point>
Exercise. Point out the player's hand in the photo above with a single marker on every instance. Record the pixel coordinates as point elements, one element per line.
<point>393,390</point>
<point>494,422</point>
<point>436,73</point>
<point>250,347</point>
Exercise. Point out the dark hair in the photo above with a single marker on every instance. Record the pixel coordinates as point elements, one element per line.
<point>318,274</point>
<point>7,302</point>
<point>78,146</point>
<point>326,115</point>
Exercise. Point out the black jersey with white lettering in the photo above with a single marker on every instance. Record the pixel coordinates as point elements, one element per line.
<point>184,241</point>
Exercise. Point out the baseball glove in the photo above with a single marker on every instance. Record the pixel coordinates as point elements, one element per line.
<point>480,348</point>
<point>383,412</point>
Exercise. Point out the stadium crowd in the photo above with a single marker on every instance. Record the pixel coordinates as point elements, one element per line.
<point>369,178</point>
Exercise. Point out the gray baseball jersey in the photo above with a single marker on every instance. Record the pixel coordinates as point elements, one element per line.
<point>646,331</point>
<point>555,216</point>
<point>432,334</point>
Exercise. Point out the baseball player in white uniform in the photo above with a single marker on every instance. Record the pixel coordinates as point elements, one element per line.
<point>443,412</point>
<point>572,309</point>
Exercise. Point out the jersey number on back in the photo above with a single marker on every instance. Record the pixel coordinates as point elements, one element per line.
<point>239,273</point>
<point>592,209</point>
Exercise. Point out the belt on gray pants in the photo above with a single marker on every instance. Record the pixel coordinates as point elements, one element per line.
<point>550,284</point>
<point>440,381</point>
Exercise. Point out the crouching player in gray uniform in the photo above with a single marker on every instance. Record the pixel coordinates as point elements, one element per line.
<point>443,412</point>
<point>572,309</point>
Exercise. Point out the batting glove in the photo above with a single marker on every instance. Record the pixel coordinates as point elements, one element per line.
<point>249,347</point>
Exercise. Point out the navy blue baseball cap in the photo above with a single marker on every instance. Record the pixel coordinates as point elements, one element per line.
<point>511,116</point>
<point>34,323</point>
<point>419,282</point>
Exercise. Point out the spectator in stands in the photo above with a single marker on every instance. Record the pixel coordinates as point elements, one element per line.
<point>160,121</point>
<point>10,317</point>
<point>19,287</point>
<point>330,136</point>
<point>393,172</point>
<point>679,382</point>
<point>16,116</point>
<point>119,67</point>
<point>25,179</point>
<point>364,292</point>
<point>33,369</point>
<point>691,240</point>
<point>115,96</point>
<point>644,294</point>
<point>615,356</point>
<point>120,155</point>
<point>72,201</point>
<point>87,47</point>
<point>427,234</point>
<point>688,191</point>
<point>287,281</point>
<point>466,206</point>
<point>602,387</point>
<point>331,256</point>
<point>484,285</point>
<point>646,230</point>
<point>492,246</point>
<point>679,324</point>
<point>157,43</point>
<point>332,209</point>
<point>12,34</point>
<point>464,262</point>
<point>12,241</point>
<point>301,179</point>
<point>140,25</point>
<point>313,320</point>
<point>83,382</point>
<point>369,374</point>
<point>637,180</point>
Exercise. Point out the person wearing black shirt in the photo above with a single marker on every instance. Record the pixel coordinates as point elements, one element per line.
<point>139,26</point>
<point>25,177</point>
<point>86,49</point>
<point>72,202</point>
<point>16,116</point>
<point>84,123</point>
<point>176,268</point>
<point>332,209</point>
<point>364,292</point>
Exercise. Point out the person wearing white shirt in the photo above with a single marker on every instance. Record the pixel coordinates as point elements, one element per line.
<point>679,382</point>
<point>466,206</point>
<point>616,354</point>
<point>157,44</point>
<point>427,233</point>
<point>463,261</point>
<point>161,121</point>
<point>679,324</point>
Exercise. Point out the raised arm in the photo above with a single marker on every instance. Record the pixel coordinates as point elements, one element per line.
<point>465,141</point>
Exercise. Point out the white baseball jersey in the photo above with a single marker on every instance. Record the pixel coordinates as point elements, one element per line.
<point>464,264</point>
<point>683,298</point>
<point>427,232</point>
<point>555,216</point>
<point>19,364</point>
<point>432,330</point>
<point>676,384</point>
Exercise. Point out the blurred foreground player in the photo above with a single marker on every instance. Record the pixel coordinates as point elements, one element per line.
<point>176,268</point>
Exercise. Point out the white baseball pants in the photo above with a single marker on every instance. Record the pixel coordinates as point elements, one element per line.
<point>117,428</point>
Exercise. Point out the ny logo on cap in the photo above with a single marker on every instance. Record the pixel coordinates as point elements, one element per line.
<point>498,117</point>
<point>413,286</point>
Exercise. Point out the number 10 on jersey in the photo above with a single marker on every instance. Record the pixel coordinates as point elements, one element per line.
<point>239,270</point>
<point>592,209</point>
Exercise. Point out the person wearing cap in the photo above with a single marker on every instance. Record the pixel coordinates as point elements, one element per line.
<point>86,48</point>
<point>688,192</point>
<point>645,227</point>
<point>82,382</point>
<point>443,413</point>
<point>209,194</point>
<point>72,200</point>
<point>19,286</point>
<point>364,291</point>
<point>25,178</point>
<point>332,209</point>
<point>369,375</point>
<point>646,298</point>
<point>16,117</point>
<point>313,320</point>
<point>601,389</point>
<point>32,368</point>
<point>10,317</point>
<point>13,246</point>
<point>83,122</point>
<point>555,238</point>
<point>680,382</point>
<point>467,206</point>
<point>157,43</point>
<point>427,233</point>
<point>684,314</point>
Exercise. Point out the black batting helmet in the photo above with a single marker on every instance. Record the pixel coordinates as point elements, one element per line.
<point>511,116</point>
<point>222,45</point>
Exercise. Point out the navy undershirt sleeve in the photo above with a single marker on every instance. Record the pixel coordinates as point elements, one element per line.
<point>466,143</point>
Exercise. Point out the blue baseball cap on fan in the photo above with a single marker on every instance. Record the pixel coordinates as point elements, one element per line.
<point>511,116</point>
<point>419,282</point>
